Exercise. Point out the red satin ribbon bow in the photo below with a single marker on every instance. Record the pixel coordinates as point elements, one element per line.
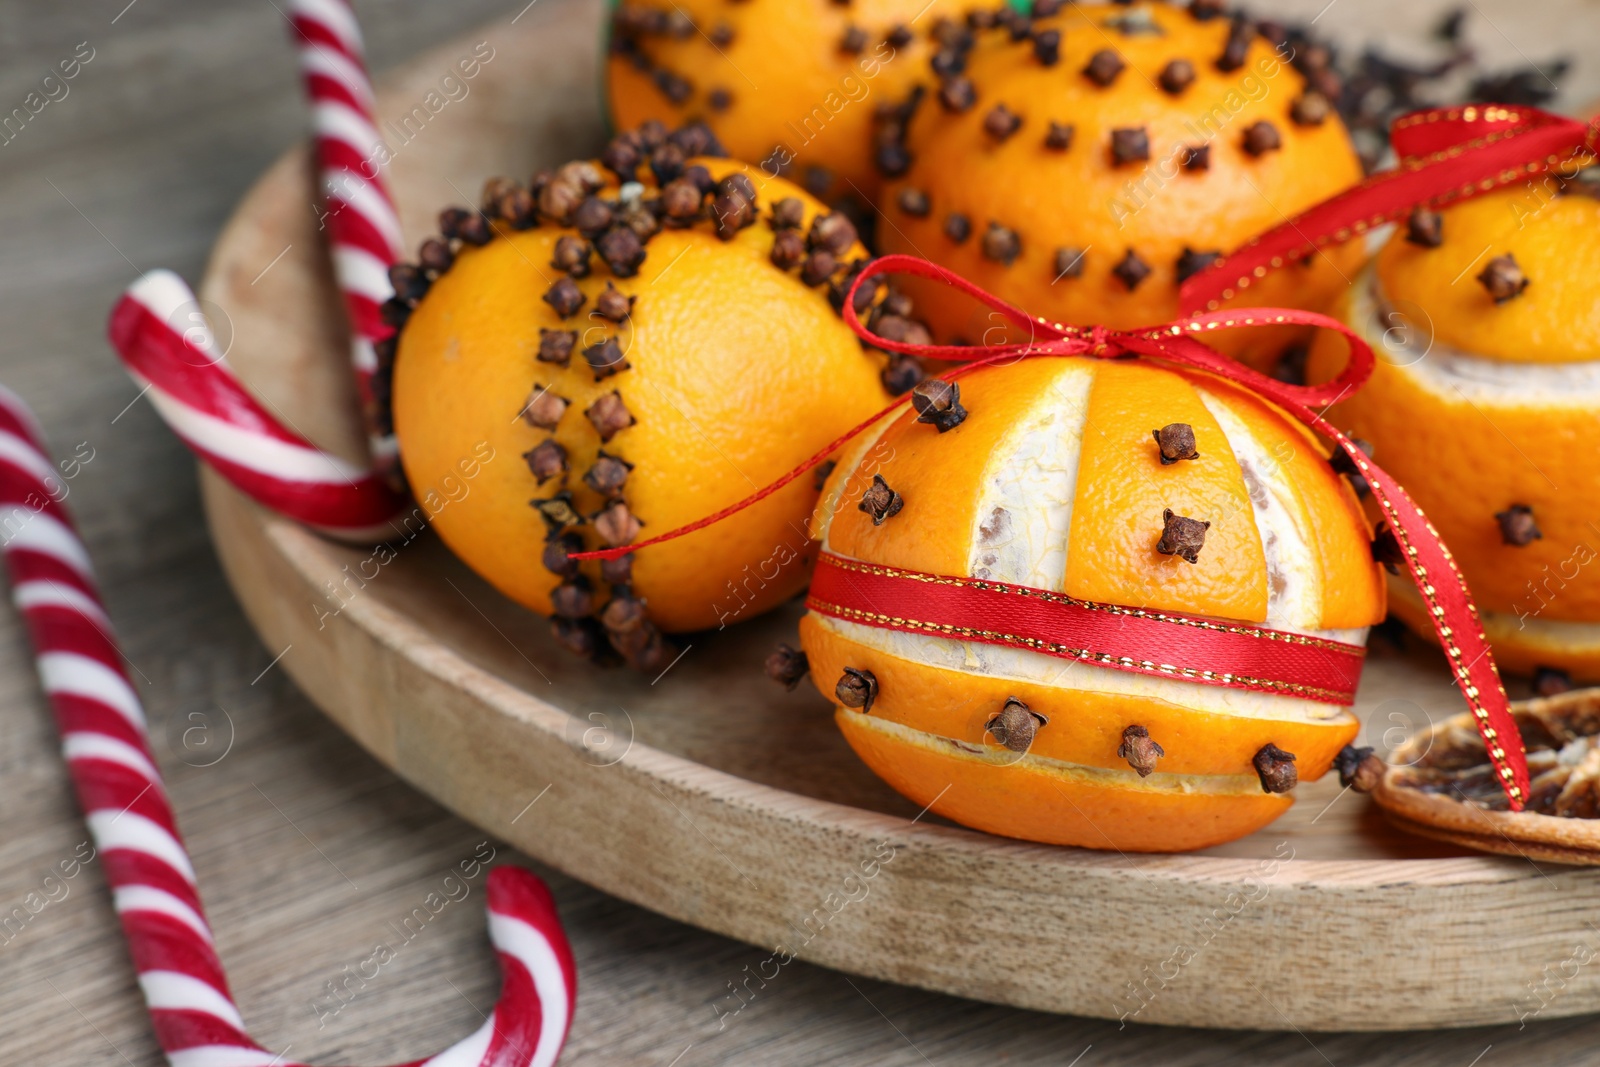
<point>1446,154</point>
<point>1442,587</point>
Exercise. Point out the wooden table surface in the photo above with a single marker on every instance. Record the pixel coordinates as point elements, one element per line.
<point>309,854</point>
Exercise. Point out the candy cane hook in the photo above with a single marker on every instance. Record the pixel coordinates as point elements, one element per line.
<point>107,747</point>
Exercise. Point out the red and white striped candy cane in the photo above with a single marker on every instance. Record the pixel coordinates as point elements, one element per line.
<point>107,748</point>
<point>167,346</point>
<point>363,228</point>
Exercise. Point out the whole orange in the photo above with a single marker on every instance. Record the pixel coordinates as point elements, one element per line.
<point>1054,482</point>
<point>1083,168</point>
<point>1482,405</point>
<point>606,360</point>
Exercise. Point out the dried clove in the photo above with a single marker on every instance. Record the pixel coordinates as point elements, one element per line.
<point>857,689</point>
<point>788,249</point>
<point>818,268</point>
<point>788,214</point>
<point>1191,263</point>
<point>558,512</point>
<point>1550,681</point>
<point>609,415</point>
<point>435,255</point>
<point>1359,768</point>
<point>833,232</point>
<point>544,408</point>
<point>1131,270</point>
<point>1175,442</point>
<point>624,613</point>
<point>558,553</point>
<point>573,599</point>
<point>1015,726</point>
<point>1261,138</point>
<point>1001,122</point>
<point>1234,52</point>
<point>622,250</point>
<point>1058,138</point>
<point>892,159</point>
<point>555,346</point>
<point>680,202</point>
<point>1140,750</point>
<point>1517,526</point>
<point>819,477</point>
<point>572,256</point>
<point>957,94</point>
<point>1503,278</point>
<point>1425,228</point>
<point>1176,76</point>
<point>1196,158</point>
<point>787,666</point>
<point>547,460</point>
<point>616,525</point>
<point>1386,549</point>
<point>1001,244</point>
<point>1182,536</point>
<point>1276,769</point>
<point>613,304</point>
<point>581,637</point>
<point>1103,67</point>
<point>880,501</point>
<point>410,283</point>
<point>592,217</point>
<point>914,202</point>
<point>938,403</point>
<point>565,297</point>
<point>1129,144</point>
<point>618,570</point>
<point>1047,47</point>
<point>605,358</point>
<point>957,227</point>
<point>608,475</point>
<point>1069,263</point>
<point>1311,109</point>
<point>1341,463</point>
<point>853,41</point>
<point>901,373</point>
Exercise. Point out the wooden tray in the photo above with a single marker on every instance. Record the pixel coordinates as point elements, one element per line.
<point>711,796</point>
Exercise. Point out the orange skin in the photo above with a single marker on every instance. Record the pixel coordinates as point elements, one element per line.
<point>1079,199</point>
<point>738,373</point>
<point>1463,460</point>
<point>793,88</point>
<point>1061,793</point>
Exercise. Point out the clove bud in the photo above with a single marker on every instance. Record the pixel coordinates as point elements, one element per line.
<point>787,666</point>
<point>1276,769</point>
<point>1015,726</point>
<point>880,501</point>
<point>1140,750</point>
<point>938,403</point>
<point>857,689</point>
<point>1182,536</point>
<point>1176,442</point>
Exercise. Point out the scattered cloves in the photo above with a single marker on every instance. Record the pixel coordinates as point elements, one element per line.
<point>1425,228</point>
<point>1517,526</point>
<point>1276,769</point>
<point>901,373</point>
<point>1503,279</point>
<point>1386,549</point>
<point>581,637</point>
<point>1140,750</point>
<point>1359,769</point>
<point>857,689</point>
<point>914,202</point>
<point>1237,49</point>
<point>787,666</point>
<point>788,249</point>
<point>1047,47</point>
<point>1069,263</point>
<point>1176,76</point>
<point>1182,536</point>
<point>558,512</point>
<point>853,41</point>
<point>617,570</point>
<point>1175,442</point>
<point>938,403</point>
<point>609,415</point>
<point>1129,144</point>
<point>573,599</point>
<point>880,501</point>
<point>957,227</point>
<point>788,214</point>
<point>1550,681</point>
<point>622,250</point>
<point>833,232</point>
<point>819,477</point>
<point>435,255</point>
<point>558,553</point>
<point>593,217</point>
<point>608,475</point>
<point>1015,726</point>
<point>818,268</point>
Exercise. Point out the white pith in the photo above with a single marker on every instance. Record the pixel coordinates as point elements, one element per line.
<point>1453,374</point>
<point>1126,778</point>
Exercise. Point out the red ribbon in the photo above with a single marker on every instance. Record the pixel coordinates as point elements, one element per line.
<point>1160,643</point>
<point>1442,587</point>
<point>1446,154</point>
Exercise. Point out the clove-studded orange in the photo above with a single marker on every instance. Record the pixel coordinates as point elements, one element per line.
<point>1085,181</point>
<point>794,85</point>
<point>609,353</point>
<point>1482,404</point>
<point>1070,475</point>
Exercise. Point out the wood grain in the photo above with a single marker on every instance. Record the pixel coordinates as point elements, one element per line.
<point>184,106</point>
